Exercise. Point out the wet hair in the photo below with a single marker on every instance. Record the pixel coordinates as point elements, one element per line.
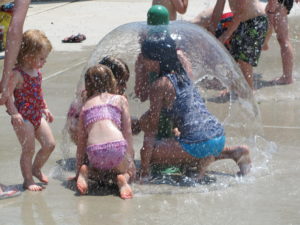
<point>118,67</point>
<point>99,79</point>
<point>161,47</point>
<point>33,43</point>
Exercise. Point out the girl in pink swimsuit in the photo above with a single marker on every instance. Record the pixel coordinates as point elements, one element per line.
<point>121,73</point>
<point>104,133</point>
<point>28,107</point>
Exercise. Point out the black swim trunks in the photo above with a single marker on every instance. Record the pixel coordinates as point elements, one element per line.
<point>247,40</point>
<point>288,4</point>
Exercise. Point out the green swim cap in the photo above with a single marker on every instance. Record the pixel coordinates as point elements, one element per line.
<point>158,15</point>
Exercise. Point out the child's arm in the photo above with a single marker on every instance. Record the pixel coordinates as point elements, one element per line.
<point>236,20</point>
<point>81,145</point>
<point>187,65</point>
<point>127,134</point>
<point>216,15</point>
<point>126,126</point>
<point>150,119</point>
<point>16,117</point>
<point>180,5</point>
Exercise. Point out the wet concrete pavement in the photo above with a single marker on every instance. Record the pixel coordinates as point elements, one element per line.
<point>271,198</point>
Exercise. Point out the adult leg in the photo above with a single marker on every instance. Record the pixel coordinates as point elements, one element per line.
<point>47,141</point>
<point>25,134</point>
<point>280,23</point>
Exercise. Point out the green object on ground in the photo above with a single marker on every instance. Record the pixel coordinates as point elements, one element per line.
<point>171,170</point>
<point>158,170</point>
<point>158,15</point>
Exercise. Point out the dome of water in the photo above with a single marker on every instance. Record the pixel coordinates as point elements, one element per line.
<point>210,67</point>
<point>210,64</point>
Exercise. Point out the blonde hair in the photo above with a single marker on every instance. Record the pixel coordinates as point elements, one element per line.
<point>99,79</point>
<point>33,43</point>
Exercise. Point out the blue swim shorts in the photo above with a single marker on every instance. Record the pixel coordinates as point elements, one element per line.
<point>212,147</point>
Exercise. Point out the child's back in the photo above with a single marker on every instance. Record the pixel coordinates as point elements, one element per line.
<point>102,114</point>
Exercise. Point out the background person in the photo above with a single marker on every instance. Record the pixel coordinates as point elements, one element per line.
<point>13,43</point>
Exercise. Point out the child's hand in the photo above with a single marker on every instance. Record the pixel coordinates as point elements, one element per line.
<point>17,119</point>
<point>176,132</point>
<point>48,114</point>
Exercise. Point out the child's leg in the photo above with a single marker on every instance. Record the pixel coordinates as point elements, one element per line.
<point>82,180</point>
<point>46,139</point>
<point>247,70</point>
<point>240,154</point>
<point>281,28</point>
<point>123,177</point>
<point>25,134</point>
<point>202,165</point>
<point>170,152</point>
<point>146,155</point>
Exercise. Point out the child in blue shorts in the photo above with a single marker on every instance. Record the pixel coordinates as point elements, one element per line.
<point>201,139</point>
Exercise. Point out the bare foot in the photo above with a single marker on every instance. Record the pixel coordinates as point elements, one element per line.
<point>31,186</point>
<point>124,188</point>
<point>283,80</point>
<point>242,158</point>
<point>39,175</point>
<point>82,180</point>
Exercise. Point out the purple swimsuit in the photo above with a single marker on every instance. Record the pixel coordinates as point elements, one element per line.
<point>108,155</point>
<point>103,112</point>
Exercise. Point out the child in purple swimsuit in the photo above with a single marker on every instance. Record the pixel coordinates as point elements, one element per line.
<point>121,73</point>
<point>104,133</point>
